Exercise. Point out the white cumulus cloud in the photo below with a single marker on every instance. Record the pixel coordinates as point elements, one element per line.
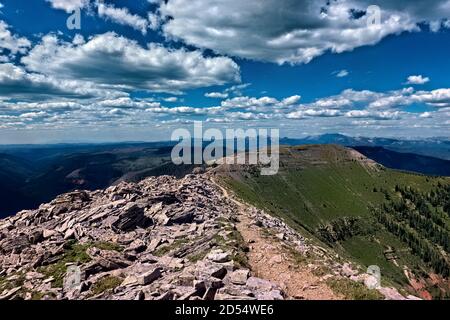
<point>419,79</point>
<point>17,83</point>
<point>11,43</point>
<point>216,95</point>
<point>290,31</point>
<point>115,61</point>
<point>123,16</point>
<point>68,5</point>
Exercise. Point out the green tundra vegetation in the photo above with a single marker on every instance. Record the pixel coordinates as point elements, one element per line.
<point>365,212</point>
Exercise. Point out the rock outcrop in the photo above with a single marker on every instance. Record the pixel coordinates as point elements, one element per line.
<point>159,239</point>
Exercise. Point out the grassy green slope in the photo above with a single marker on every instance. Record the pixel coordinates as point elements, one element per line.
<point>317,185</point>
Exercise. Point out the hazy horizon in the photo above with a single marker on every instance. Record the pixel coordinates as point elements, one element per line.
<point>81,142</point>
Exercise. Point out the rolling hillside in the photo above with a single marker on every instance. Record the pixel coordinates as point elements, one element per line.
<point>14,173</point>
<point>335,195</point>
<point>30,176</point>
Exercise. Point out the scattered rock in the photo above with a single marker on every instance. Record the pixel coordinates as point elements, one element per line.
<point>149,277</point>
<point>391,294</point>
<point>10,294</point>
<point>14,244</point>
<point>210,294</point>
<point>347,271</point>
<point>182,217</point>
<point>70,234</point>
<point>137,246</point>
<point>211,269</point>
<point>280,236</point>
<point>130,280</point>
<point>154,244</point>
<point>239,276</point>
<point>49,233</point>
<point>218,256</point>
<point>131,217</point>
<point>36,236</point>
<point>258,284</point>
<point>270,295</point>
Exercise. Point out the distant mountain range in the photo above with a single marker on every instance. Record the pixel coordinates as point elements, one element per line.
<point>34,174</point>
<point>31,175</point>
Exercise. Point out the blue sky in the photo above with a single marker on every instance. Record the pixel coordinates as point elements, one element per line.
<point>137,70</point>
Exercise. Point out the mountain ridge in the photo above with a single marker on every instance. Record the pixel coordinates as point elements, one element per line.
<point>337,201</point>
<point>166,238</point>
<point>433,147</point>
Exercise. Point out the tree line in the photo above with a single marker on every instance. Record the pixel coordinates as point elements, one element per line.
<point>422,221</point>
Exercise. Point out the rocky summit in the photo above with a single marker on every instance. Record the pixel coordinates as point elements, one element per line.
<point>163,239</point>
